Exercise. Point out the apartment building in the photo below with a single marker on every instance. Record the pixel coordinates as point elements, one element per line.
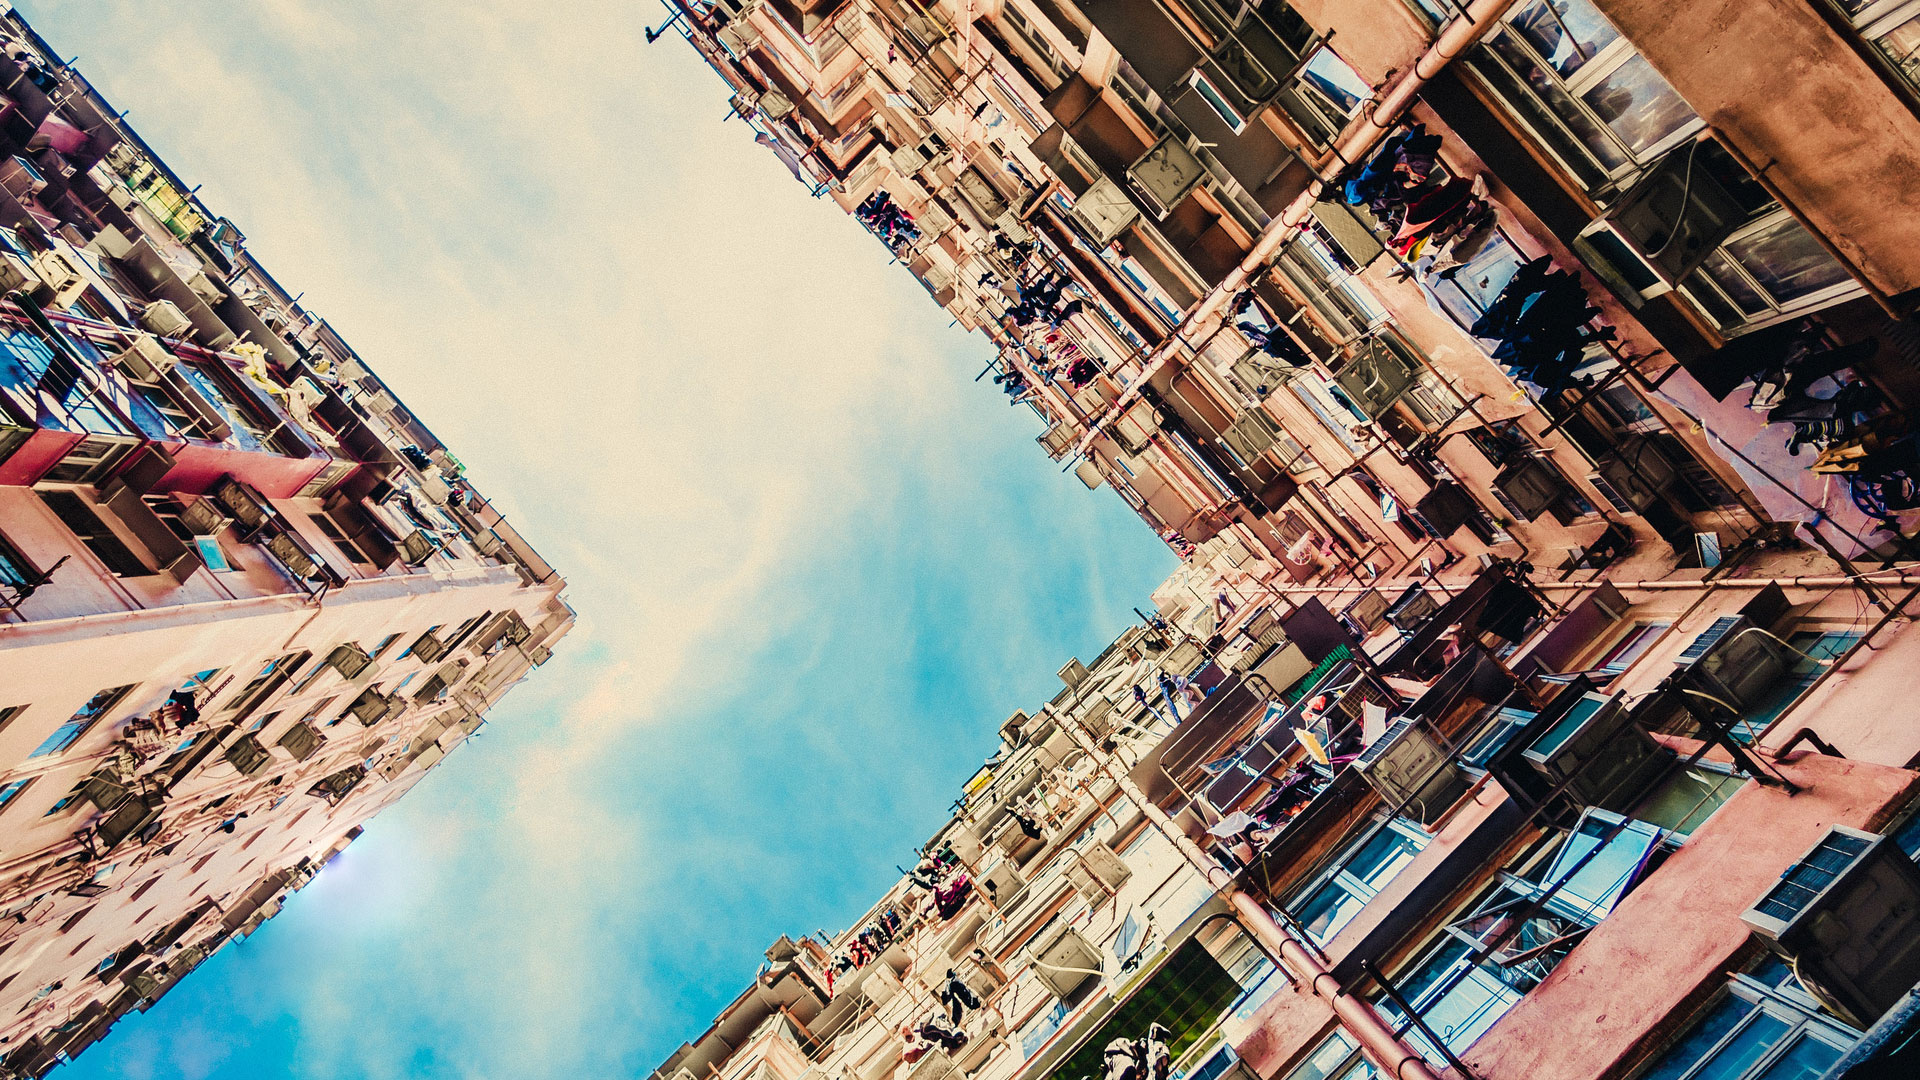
<point>247,599</point>
<point>1617,831</point>
<point>1260,267</point>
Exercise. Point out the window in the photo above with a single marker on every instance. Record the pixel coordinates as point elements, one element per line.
<point>8,714</point>
<point>1768,269</point>
<point>79,518</point>
<point>1217,101</point>
<point>1892,27</point>
<point>339,539</point>
<point>68,733</point>
<point>1041,1028</point>
<point>1686,800</point>
<point>1358,875</point>
<point>1636,641</point>
<point>383,644</point>
<point>11,790</point>
<point>1499,730</point>
<point>1337,87</point>
<point>1765,1027</point>
<point>1460,999</point>
<point>1338,1058</point>
<point>15,571</point>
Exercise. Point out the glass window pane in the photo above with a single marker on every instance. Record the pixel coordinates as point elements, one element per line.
<point>1902,46</point>
<point>1723,273</point>
<point>1807,1059</point>
<point>1697,1044</point>
<point>1382,857</point>
<point>1638,105</point>
<point>1786,260</point>
<point>1687,800</point>
<point>1329,909</point>
<point>1567,33</point>
<point>1465,1012</point>
<point>1745,1048</point>
<point>1591,891</point>
<point>1342,86</point>
<point>1559,104</point>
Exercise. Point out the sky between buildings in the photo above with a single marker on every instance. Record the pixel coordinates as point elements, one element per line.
<point>815,563</point>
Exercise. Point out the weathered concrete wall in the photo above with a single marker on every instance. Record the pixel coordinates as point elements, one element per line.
<point>1669,943</point>
<point>1786,89</point>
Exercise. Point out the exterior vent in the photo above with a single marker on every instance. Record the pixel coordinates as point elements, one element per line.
<point>1410,768</point>
<point>1847,915</point>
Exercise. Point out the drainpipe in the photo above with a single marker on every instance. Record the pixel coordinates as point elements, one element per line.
<point>1357,1015</point>
<point>1359,139</point>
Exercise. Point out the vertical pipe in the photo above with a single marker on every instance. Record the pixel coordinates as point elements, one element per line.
<point>1375,1036</point>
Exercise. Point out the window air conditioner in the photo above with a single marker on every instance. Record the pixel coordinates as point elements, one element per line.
<point>248,756</point>
<point>294,555</point>
<point>936,1065</point>
<point>739,37</point>
<point>1135,428</point>
<point>1734,662</point>
<point>1165,174</point>
<point>131,816</point>
<point>103,791</point>
<point>1412,609</point>
<point>1005,880</point>
<point>16,276</point>
<point>370,707</point>
<point>144,359</point>
<point>1411,768</point>
<point>21,178</point>
<point>933,221</point>
<point>1663,228</point>
<point>879,983</point>
<point>247,506</point>
<point>1097,873</point>
<point>62,278</point>
<point>163,317</point>
<point>429,648</point>
<point>911,159</point>
<point>353,665</point>
<point>1528,487</point>
<point>300,741</point>
<point>1639,475</point>
<point>1847,916</point>
<point>1013,228</point>
<point>1598,752</point>
<point>1066,961</point>
<point>773,104</point>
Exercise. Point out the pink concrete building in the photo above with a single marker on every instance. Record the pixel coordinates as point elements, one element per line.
<point>246,598</point>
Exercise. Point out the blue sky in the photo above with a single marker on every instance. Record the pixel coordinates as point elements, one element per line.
<point>815,563</point>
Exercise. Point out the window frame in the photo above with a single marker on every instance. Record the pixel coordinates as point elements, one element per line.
<point>1337,874</point>
<point>83,720</point>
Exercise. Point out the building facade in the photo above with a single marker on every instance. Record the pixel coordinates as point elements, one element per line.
<point>246,598</point>
<point>1523,385</point>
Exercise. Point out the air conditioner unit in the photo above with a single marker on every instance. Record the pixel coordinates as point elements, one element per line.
<point>299,741</point>
<point>63,280</point>
<point>21,178</point>
<point>1733,662</point>
<point>1097,873</point>
<point>163,317</point>
<point>16,275</point>
<point>104,791</point>
<point>1662,229</point>
<point>1413,609</point>
<point>773,104</point>
<point>1847,916</point>
<point>911,159</point>
<point>202,516</point>
<point>370,707</point>
<point>248,756</point>
<point>879,984</point>
<point>247,506</point>
<point>1410,767</point>
<point>1134,429</point>
<point>1005,880</point>
<point>1013,228</point>
<point>1528,487</point>
<point>206,288</point>
<point>739,37</point>
<point>131,816</point>
<point>144,359</point>
<point>1638,473</point>
<point>1066,961</point>
<point>1598,752</point>
<point>293,554</point>
<point>1073,673</point>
